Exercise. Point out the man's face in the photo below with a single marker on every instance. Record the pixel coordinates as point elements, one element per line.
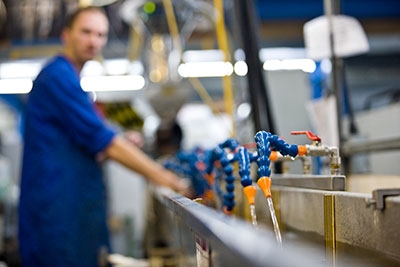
<point>87,36</point>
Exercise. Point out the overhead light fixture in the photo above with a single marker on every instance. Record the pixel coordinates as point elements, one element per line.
<point>116,66</point>
<point>112,67</point>
<point>282,53</point>
<point>205,69</point>
<point>15,86</point>
<point>92,68</point>
<point>112,83</point>
<point>306,65</point>
<point>206,55</point>
<point>286,58</point>
<point>241,68</point>
<point>20,69</point>
<point>204,63</point>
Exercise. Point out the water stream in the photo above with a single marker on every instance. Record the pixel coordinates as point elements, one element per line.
<point>274,221</point>
<point>253,214</point>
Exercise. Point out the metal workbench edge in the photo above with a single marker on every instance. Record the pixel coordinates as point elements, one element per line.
<point>233,241</point>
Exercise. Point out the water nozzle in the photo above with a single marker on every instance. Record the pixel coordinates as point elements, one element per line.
<point>265,184</point>
<point>250,193</point>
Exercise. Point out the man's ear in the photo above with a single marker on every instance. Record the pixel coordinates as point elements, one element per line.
<point>64,35</point>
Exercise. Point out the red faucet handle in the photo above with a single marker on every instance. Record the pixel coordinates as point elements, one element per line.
<point>310,135</point>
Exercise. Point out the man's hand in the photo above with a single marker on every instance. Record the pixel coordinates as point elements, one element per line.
<point>179,185</point>
<point>135,138</point>
<point>135,159</point>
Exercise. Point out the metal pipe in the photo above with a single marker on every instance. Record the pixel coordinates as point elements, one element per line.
<point>323,150</point>
<point>363,146</point>
<point>258,91</point>
<point>332,7</point>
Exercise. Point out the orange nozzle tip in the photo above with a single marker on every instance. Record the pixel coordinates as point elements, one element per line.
<point>208,194</point>
<point>273,156</point>
<point>302,150</point>
<point>250,192</point>
<point>227,212</point>
<point>265,184</point>
<point>209,178</point>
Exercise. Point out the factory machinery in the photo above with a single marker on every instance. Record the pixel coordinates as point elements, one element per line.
<point>277,219</point>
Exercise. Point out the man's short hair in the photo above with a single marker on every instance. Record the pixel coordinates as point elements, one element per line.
<point>72,17</point>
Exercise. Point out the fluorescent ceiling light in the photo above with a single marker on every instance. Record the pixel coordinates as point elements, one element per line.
<point>239,55</point>
<point>136,68</point>
<point>282,53</point>
<point>116,66</point>
<point>112,67</point>
<point>92,68</point>
<point>205,69</point>
<point>203,55</point>
<point>306,65</point>
<point>112,83</point>
<point>241,68</point>
<point>14,70</point>
<point>243,110</point>
<point>285,58</point>
<point>15,86</point>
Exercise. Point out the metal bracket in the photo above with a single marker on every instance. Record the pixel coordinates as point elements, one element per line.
<point>379,195</point>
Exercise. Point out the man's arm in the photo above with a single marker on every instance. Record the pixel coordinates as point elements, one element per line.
<point>136,160</point>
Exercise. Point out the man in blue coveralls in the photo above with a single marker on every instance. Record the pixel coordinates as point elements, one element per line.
<point>62,208</point>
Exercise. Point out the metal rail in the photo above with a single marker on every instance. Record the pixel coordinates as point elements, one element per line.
<point>320,182</point>
<point>233,242</point>
<point>363,146</point>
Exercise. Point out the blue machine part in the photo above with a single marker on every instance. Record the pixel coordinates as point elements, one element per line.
<point>244,166</point>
